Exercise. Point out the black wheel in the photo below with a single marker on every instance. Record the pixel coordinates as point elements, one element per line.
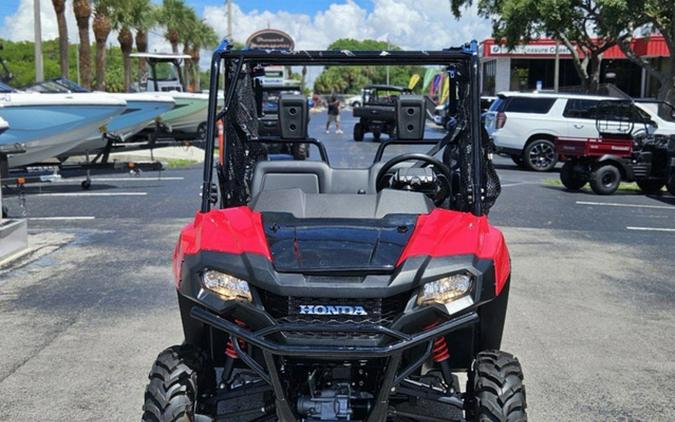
<point>175,381</point>
<point>518,160</point>
<point>356,104</point>
<point>86,184</point>
<point>571,177</point>
<point>498,390</point>
<point>201,131</point>
<point>540,155</point>
<point>651,187</point>
<point>671,185</point>
<point>358,132</point>
<point>605,179</point>
<point>300,151</point>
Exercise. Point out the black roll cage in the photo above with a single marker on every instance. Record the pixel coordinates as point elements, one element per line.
<point>464,57</point>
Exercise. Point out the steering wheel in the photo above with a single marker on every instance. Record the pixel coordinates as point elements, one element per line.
<point>437,166</point>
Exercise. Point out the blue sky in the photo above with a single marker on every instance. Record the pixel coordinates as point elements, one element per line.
<point>8,7</point>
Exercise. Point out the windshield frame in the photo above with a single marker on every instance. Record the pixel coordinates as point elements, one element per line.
<point>233,61</point>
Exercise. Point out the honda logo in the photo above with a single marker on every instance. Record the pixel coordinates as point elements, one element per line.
<point>332,310</point>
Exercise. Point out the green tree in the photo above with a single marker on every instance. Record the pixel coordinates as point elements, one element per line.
<point>102,27</point>
<point>580,25</point>
<point>82,10</point>
<point>60,10</point>
<point>204,36</point>
<point>350,79</point>
<point>651,16</point>
<point>172,15</point>
<point>143,16</point>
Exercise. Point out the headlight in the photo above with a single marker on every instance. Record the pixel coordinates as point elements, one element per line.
<point>226,286</point>
<point>445,290</point>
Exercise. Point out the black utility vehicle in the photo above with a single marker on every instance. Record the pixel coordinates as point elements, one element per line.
<point>269,119</point>
<point>377,114</point>
<point>314,293</point>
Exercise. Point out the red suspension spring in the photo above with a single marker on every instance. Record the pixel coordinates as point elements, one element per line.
<point>440,351</point>
<point>229,349</point>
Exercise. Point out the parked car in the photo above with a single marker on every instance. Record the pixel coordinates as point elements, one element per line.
<point>354,101</point>
<point>524,125</point>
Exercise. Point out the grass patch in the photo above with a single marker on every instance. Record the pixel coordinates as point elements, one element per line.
<point>180,163</point>
<point>624,187</point>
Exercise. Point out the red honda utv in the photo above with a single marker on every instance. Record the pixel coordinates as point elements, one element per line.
<point>314,293</point>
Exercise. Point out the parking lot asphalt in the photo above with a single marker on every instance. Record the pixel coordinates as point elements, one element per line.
<point>590,314</point>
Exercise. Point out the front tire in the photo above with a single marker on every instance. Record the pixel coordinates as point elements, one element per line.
<point>605,180</point>
<point>571,178</point>
<point>174,385</point>
<point>651,187</point>
<point>540,155</point>
<point>498,390</point>
<point>358,132</point>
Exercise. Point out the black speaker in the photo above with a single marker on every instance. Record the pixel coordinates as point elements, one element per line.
<point>410,116</point>
<point>293,116</point>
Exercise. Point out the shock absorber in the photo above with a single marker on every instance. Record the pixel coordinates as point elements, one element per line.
<point>441,355</point>
<point>230,357</point>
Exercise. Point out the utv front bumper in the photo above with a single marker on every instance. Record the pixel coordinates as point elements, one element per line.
<point>395,374</point>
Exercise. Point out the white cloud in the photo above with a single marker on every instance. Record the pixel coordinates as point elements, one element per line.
<point>411,24</point>
<point>19,26</point>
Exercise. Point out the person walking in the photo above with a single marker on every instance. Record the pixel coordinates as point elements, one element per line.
<point>333,114</point>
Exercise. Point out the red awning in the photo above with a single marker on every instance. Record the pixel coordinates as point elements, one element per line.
<point>544,48</point>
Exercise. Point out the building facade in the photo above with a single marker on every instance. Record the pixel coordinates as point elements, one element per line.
<point>531,66</point>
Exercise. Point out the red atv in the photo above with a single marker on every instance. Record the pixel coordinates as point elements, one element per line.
<point>625,150</point>
<point>314,293</point>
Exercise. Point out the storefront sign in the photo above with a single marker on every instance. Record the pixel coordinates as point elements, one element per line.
<point>528,49</point>
<point>270,39</point>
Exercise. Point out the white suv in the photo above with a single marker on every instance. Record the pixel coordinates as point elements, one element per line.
<point>524,125</point>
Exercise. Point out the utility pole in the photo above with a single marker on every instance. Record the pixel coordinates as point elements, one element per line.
<point>39,68</point>
<point>229,20</point>
<point>556,72</point>
<point>387,67</point>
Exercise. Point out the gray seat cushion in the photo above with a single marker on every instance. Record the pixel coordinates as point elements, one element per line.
<point>341,205</point>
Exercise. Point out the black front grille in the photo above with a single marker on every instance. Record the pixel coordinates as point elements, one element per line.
<point>380,311</point>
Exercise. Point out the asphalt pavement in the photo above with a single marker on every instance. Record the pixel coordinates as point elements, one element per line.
<point>590,315</point>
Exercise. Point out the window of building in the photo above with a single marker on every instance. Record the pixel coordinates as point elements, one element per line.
<point>489,77</point>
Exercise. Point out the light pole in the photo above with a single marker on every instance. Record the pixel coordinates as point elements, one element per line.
<point>39,68</point>
<point>229,20</point>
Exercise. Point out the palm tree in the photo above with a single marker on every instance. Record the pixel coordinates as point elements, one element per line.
<point>121,22</point>
<point>102,27</point>
<point>60,9</point>
<point>143,16</point>
<point>82,10</point>
<point>205,38</point>
<point>172,15</point>
<point>189,31</point>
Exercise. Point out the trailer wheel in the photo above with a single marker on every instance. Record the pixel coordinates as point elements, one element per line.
<point>497,387</point>
<point>358,132</point>
<point>174,385</point>
<point>605,179</point>
<point>651,187</point>
<point>571,178</point>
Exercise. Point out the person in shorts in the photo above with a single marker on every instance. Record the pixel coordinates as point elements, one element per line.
<point>333,114</point>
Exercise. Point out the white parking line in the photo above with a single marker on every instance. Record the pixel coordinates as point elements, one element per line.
<point>124,179</point>
<point>72,218</point>
<point>651,229</point>
<point>91,194</point>
<point>614,204</point>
